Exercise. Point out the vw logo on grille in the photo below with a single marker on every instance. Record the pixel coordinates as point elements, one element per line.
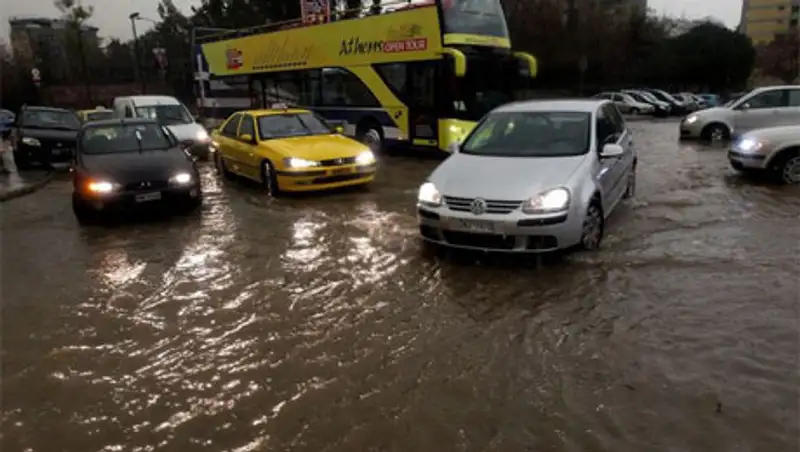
<point>478,206</point>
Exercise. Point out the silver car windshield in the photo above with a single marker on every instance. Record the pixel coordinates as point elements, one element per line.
<point>531,134</point>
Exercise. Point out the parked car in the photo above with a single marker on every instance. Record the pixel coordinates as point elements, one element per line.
<point>550,172</point>
<point>7,119</point>
<point>773,149</point>
<point>121,164</point>
<point>627,104</point>
<point>169,112</point>
<point>762,107</point>
<point>95,114</point>
<point>662,109</point>
<point>678,106</point>
<point>290,150</point>
<point>712,100</point>
<point>44,135</point>
<point>692,103</point>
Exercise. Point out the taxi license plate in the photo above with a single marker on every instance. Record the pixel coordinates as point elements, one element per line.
<point>145,197</point>
<point>339,171</point>
<point>480,226</point>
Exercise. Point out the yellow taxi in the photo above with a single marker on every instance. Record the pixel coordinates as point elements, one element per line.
<point>96,114</point>
<point>290,150</point>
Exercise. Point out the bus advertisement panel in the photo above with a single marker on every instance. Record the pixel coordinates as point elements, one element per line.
<point>412,35</point>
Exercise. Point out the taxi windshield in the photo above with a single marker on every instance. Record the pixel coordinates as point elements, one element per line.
<point>98,115</point>
<point>120,139</point>
<point>291,125</point>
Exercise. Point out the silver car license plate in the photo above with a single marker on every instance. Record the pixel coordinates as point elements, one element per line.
<point>480,226</point>
<point>145,197</point>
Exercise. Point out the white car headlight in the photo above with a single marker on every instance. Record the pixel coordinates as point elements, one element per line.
<point>31,141</point>
<point>555,200</point>
<point>202,135</point>
<point>749,145</point>
<point>181,179</point>
<point>691,119</point>
<point>294,162</point>
<point>365,158</point>
<point>429,194</point>
<point>101,187</point>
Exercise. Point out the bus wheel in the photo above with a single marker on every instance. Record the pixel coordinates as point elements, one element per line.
<point>371,136</point>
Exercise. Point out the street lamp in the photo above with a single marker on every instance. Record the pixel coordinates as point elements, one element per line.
<point>136,50</point>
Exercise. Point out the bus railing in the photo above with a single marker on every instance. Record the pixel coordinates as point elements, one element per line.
<point>340,16</point>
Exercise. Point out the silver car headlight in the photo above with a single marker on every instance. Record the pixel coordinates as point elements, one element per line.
<point>31,141</point>
<point>181,179</point>
<point>294,162</point>
<point>749,145</point>
<point>691,119</point>
<point>551,201</point>
<point>202,135</point>
<point>429,195</point>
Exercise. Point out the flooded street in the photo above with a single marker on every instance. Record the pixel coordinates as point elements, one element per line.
<point>318,324</point>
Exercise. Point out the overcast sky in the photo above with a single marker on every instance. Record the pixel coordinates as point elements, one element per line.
<point>112,15</point>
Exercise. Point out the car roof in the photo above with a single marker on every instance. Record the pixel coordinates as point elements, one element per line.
<point>571,105</point>
<point>275,111</point>
<point>43,108</point>
<point>154,100</point>
<point>119,122</point>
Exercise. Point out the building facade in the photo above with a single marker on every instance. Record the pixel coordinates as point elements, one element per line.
<point>762,20</point>
<point>43,43</point>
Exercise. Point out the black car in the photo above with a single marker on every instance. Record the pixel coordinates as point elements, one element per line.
<point>678,107</point>
<point>44,135</point>
<point>124,164</point>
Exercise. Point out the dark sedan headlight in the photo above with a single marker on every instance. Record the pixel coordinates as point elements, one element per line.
<point>181,179</point>
<point>29,141</point>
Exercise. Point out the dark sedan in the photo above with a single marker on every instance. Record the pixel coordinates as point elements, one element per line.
<point>44,135</point>
<point>124,164</point>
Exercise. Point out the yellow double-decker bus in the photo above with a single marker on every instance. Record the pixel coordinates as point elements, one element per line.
<point>420,75</point>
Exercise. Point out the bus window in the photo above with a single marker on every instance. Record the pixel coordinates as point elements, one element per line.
<point>340,87</point>
<point>288,88</point>
<point>475,17</point>
<point>394,74</point>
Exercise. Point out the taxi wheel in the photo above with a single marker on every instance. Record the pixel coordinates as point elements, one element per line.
<point>222,168</point>
<point>269,178</point>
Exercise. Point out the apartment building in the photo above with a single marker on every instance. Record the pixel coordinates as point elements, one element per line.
<point>762,20</point>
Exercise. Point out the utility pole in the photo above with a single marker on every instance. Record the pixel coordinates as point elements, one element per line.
<point>137,70</point>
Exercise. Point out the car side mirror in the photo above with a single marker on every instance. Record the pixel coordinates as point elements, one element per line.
<point>611,150</point>
<point>246,137</point>
<point>339,130</point>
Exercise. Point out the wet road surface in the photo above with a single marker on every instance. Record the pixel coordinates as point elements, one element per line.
<point>317,324</point>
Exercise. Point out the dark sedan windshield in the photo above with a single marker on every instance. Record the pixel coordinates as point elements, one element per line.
<point>290,125</point>
<point>531,134</point>
<point>50,119</point>
<point>118,138</point>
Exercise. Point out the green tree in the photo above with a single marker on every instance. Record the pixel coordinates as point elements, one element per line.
<point>76,15</point>
<point>779,58</point>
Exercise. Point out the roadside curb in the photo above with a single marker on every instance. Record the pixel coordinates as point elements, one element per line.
<point>26,189</point>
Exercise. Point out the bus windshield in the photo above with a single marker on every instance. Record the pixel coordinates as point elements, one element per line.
<point>487,85</point>
<point>474,17</point>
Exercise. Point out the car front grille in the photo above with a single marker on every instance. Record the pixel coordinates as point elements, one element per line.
<point>485,241</point>
<point>149,185</point>
<point>338,162</point>
<point>492,205</point>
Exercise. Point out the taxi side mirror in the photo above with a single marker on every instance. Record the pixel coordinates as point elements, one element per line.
<point>246,137</point>
<point>339,129</point>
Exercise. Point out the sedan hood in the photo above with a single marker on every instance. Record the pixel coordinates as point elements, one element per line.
<point>502,178</point>
<point>185,132</point>
<point>50,134</point>
<point>318,147</point>
<point>776,134</point>
<point>714,112</point>
<point>130,167</point>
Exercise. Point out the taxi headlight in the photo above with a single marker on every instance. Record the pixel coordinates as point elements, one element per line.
<point>31,141</point>
<point>181,179</point>
<point>294,162</point>
<point>202,135</point>
<point>429,194</point>
<point>555,200</point>
<point>365,158</point>
<point>691,119</point>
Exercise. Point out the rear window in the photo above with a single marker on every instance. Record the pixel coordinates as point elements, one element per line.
<point>124,138</point>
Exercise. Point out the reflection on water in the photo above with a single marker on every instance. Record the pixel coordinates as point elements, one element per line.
<point>318,324</point>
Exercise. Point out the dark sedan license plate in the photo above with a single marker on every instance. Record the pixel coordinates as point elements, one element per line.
<point>147,197</point>
<point>61,151</point>
<point>480,226</point>
<point>339,171</point>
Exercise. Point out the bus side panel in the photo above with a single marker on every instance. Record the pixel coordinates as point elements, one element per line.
<point>396,111</point>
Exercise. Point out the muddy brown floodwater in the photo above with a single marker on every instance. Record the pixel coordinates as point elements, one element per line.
<point>317,324</point>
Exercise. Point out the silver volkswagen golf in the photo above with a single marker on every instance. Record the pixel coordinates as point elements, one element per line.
<point>531,177</point>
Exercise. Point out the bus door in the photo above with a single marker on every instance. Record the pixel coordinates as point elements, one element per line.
<point>422,111</point>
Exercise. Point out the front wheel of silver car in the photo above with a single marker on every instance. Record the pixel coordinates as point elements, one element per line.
<point>788,168</point>
<point>592,233</point>
<point>716,133</point>
<point>630,188</point>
